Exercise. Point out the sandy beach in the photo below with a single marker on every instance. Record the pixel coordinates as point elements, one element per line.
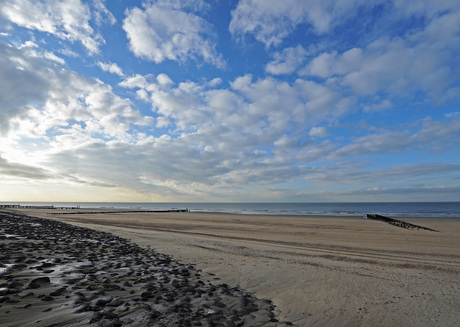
<point>317,271</point>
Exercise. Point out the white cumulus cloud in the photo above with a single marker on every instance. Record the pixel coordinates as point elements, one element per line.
<point>270,21</point>
<point>162,32</point>
<point>66,19</point>
<point>287,61</point>
<point>112,68</point>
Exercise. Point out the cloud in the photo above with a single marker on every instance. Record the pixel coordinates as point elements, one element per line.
<point>425,136</point>
<point>163,31</point>
<point>318,131</point>
<point>404,62</point>
<point>270,21</point>
<point>33,50</point>
<point>285,141</point>
<point>422,60</point>
<point>216,134</point>
<point>18,170</point>
<point>429,136</point>
<point>136,81</point>
<point>221,141</point>
<point>21,82</point>
<point>101,14</point>
<point>249,114</point>
<point>112,68</point>
<point>347,174</point>
<point>392,194</point>
<point>66,19</point>
<point>376,106</point>
<point>323,102</point>
<point>69,53</point>
<point>455,114</point>
<point>164,80</point>
<point>287,61</point>
<point>311,126</point>
<point>38,96</point>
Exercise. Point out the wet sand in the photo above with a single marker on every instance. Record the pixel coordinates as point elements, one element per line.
<point>318,271</point>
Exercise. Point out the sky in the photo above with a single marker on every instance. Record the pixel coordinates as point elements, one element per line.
<point>229,101</point>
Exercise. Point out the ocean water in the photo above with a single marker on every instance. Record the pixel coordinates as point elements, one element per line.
<point>395,209</point>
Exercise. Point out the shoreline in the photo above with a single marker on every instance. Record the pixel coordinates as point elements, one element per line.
<point>317,271</point>
<point>111,210</point>
<point>392,209</point>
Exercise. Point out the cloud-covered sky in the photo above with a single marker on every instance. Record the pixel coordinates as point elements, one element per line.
<point>249,100</point>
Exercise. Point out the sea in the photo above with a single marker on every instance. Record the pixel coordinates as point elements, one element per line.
<point>394,209</point>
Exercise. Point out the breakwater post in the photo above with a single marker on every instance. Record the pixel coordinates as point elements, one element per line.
<point>396,222</point>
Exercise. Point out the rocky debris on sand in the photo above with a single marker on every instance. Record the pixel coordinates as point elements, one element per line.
<point>53,273</point>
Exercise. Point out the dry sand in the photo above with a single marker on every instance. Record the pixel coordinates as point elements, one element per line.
<point>318,271</point>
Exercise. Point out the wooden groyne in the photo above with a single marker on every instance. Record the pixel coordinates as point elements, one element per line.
<point>18,206</point>
<point>398,223</point>
<point>118,211</point>
<point>51,207</point>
